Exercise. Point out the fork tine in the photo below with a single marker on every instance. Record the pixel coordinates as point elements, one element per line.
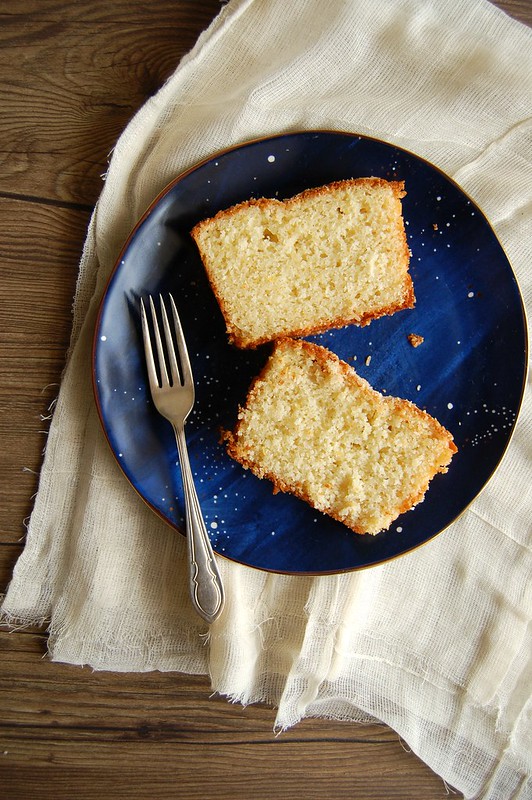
<point>186,370</point>
<point>174,369</point>
<point>148,348</point>
<point>159,345</point>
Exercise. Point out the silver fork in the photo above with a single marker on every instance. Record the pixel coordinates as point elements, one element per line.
<point>172,391</point>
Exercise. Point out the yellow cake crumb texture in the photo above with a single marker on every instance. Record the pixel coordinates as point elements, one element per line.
<point>325,258</point>
<point>316,429</point>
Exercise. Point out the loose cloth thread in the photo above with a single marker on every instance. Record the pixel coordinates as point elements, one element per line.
<point>436,644</point>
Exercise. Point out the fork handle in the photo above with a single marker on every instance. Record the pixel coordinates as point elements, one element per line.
<point>206,587</point>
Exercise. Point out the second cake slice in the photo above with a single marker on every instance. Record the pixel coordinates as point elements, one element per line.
<point>316,429</point>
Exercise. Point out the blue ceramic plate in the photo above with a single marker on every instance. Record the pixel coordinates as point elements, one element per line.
<point>469,372</point>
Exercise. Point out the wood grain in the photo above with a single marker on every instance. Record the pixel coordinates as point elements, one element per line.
<point>170,734</point>
<point>72,75</point>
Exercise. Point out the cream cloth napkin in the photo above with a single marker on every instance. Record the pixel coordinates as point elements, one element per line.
<point>437,643</point>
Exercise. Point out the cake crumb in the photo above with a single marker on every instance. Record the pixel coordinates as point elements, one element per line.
<point>415,339</point>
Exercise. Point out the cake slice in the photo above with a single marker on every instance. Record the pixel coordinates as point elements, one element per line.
<point>316,429</point>
<point>328,257</point>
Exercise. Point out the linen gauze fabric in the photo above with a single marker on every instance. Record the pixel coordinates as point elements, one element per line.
<point>437,643</point>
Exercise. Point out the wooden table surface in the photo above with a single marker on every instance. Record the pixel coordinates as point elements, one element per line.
<point>72,74</point>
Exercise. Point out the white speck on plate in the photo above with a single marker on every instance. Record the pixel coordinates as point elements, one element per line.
<point>271,159</point>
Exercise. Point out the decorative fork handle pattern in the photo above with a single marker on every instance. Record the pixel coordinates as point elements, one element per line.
<point>206,587</point>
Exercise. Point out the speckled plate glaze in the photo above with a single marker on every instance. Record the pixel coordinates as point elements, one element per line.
<point>469,372</point>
